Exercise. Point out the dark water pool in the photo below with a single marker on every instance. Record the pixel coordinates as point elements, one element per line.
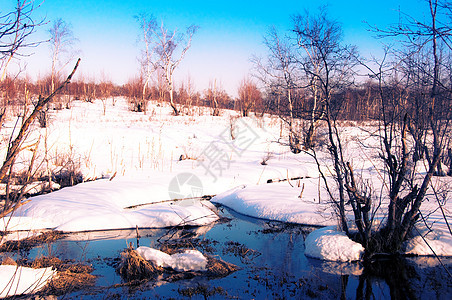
<point>271,258</point>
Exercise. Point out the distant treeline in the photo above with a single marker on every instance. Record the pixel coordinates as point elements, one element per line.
<point>358,103</point>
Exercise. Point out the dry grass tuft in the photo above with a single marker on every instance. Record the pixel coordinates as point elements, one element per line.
<point>28,243</point>
<point>134,267</point>
<point>6,260</point>
<point>204,290</point>
<point>46,262</point>
<point>71,276</point>
<point>219,268</point>
<point>67,281</point>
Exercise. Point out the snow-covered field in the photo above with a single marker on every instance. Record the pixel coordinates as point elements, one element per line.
<point>139,158</point>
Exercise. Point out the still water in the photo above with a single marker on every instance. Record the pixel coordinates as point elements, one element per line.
<point>271,260</point>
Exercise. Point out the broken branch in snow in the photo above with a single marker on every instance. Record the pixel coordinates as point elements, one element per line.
<point>205,197</point>
<point>301,193</point>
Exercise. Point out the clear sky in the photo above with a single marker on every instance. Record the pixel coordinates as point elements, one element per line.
<point>230,32</point>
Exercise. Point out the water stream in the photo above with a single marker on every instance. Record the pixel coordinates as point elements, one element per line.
<point>271,258</point>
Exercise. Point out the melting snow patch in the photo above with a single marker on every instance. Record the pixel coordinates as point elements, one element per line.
<point>329,244</point>
<point>16,280</point>
<point>103,205</point>
<point>279,202</point>
<point>439,241</point>
<point>190,260</point>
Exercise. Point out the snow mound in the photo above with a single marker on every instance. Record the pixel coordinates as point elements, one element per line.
<point>103,204</point>
<point>279,202</point>
<point>329,244</point>
<point>16,280</point>
<point>439,241</point>
<point>190,260</point>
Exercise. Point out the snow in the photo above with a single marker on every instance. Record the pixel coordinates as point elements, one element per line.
<point>330,244</point>
<point>140,154</point>
<point>20,235</point>
<point>189,260</point>
<point>32,188</point>
<point>439,241</point>
<point>16,280</point>
<point>102,204</point>
<point>280,202</point>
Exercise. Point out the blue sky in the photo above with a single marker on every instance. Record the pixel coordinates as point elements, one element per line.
<point>230,32</point>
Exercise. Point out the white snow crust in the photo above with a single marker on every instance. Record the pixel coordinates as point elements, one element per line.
<point>189,260</point>
<point>280,202</point>
<point>330,244</point>
<point>16,280</point>
<point>142,151</point>
<point>101,205</point>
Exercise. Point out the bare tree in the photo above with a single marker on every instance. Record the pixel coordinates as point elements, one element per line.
<point>427,44</point>
<point>148,60</point>
<point>328,66</point>
<point>61,43</point>
<point>164,50</point>
<point>249,96</point>
<point>15,30</point>
<point>212,95</point>
<point>279,72</point>
<point>15,147</point>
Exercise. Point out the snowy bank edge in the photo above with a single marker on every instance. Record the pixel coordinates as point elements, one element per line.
<point>22,280</point>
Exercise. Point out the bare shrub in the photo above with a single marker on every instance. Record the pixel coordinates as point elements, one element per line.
<point>68,170</point>
<point>71,276</point>
<point>266,158</point>
<point>32,241</point>
<point>135,99</point>
<point>43,118</point>
<point>134,267</point>
<point>249,96</point>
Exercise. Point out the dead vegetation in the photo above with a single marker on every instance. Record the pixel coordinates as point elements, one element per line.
<point>7,260</point>
<point>219,268</point>
<point>244,253</point>
<point>174,246</point>
<point>32,241</point>
<point>70,277</point>
<point>289,228</point>
<point>202,289</point>
<point>135,269</point>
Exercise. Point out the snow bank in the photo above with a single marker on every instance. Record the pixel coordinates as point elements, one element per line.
<point>439,241</point>
<point>329,244</point>
<point>190,260</point>
<point>20,235</point>
<point>280,202</point>
<point>102,204</point>
<point>16,280</point>
<point>146,148</point>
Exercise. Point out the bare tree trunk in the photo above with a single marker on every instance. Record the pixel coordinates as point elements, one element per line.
<point>215,111</point>
<point>337,161</point>
<point>173,105</point>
